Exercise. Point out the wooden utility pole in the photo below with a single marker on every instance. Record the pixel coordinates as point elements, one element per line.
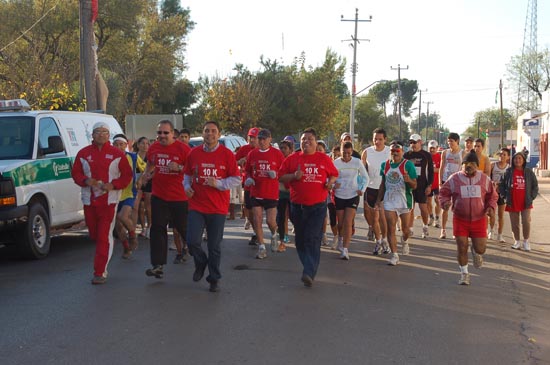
<point>399,68</point>
<point>501,116</point>
<point>88,54</point>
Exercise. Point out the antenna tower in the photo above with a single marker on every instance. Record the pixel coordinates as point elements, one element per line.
<point>528,49</point>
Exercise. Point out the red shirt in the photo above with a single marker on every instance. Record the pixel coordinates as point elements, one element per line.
<point>243,152</point>
<point>518,192</point>
<point>221,164</point>
<point>258,163</point>
<point>436,158</point>
<point>317,168</point>
<point>168,185</point>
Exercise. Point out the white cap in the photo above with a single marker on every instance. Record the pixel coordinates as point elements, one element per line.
<point>433,144</point>
<point>344,135</point>
<point>100,125</point>
<point>415,137</point>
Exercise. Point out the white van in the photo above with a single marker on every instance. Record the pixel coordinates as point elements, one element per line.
<point>37,193</point>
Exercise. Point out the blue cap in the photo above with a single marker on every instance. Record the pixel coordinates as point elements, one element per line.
<point>290,138</point>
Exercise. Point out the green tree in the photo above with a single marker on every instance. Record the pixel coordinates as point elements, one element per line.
<point>489,120</point>
<point>368,117</point>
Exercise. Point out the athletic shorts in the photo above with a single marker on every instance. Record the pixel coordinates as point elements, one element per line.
<point>501,201</point>
<point>399,211</point>
<point>247,200</point>
<point>264,203</point>
<point>370,197</point>
<point>466,228</point>
<point>147,188</point>
<point>342,204</point>
<point>126,202</point>
<point>434,192</point>
<point>419,195</point>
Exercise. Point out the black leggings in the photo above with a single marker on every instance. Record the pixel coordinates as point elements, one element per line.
<point>281,216</point>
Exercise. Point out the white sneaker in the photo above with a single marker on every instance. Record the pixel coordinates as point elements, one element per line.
<point>340,244</point>
<point>385,246</point>
<point>247,224</point>
<point>477,258</point>
<point>262,252</point>
<point>377,248</point>
<point>490,236</point>
<point>345,254</point>
<point>516,245</point>
<point>425,232</point>
<point>500,238</point>
<point>464,279</point>
<point>406,248</point>
<point>526,246</point>
<point>324,242</point>
<point>273,243</point>
<point>443,234</point>
<point>394,259</point>
<point>431,221</point>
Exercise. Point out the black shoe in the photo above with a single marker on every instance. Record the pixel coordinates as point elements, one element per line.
<point>253,241</point>
<point>307,280</point>
<point>199,272</point>
<point>214,286</point>
<point>156,271</point>
<point>180,259</point>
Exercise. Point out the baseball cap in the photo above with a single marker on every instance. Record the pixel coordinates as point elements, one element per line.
<point>253,132</point>
<point>344,135</point>
<point>415,137</point>
<point>264,133</point>
<point>290,138</point>
<point>471,157</point>
<point>433,144</point>
<point>470,138</point>
<point>100,125</point>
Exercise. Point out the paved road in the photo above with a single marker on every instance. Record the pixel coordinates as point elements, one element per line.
<point>358,312</point>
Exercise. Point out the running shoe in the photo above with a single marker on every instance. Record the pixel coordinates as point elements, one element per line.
<point>490,236</point>
<point>436,224</point>
<point>526,246</point>
<point>214,285</point>
<point>464,279</point>
<point>500,238</point>
<point>394,259</point>
<point>340,244</point>
<point>443,234</point>
<point>273,243</point>
<point>370,235</point>
<point>431,221</point>
<point>385,246</point>
<point>127,254</point>
<point>262,252</point>
<point>287,240</point>
<point>156,271</point>
<point>324,242</point>
<point>477,258</point>
<point>307,280</point>
<point>98,280</point>
<point>425,232</point>
<point>377,248</point>
<point>253,241</point>
<point>281,248</point>
<point>516,245</point>
<point>345,254</point>
<point>247,224</point>
<point>406,248</point>
<point>179,259</point>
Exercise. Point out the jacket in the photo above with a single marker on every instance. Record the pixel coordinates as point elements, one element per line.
<point>481,190</point>
<point>531,186</point>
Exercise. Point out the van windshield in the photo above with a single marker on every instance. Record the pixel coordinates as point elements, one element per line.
<point>16,138</point>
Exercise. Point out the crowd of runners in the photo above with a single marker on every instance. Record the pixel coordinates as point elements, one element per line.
<point>167,184</point>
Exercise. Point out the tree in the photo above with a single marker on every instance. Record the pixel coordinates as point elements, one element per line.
<point>368,116</point>
<point>489,120</point>
<point>533,70</point>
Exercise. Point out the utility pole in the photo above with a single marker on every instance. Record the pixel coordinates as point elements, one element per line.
<point>399,68</point>
<point>420,109</point>
<point>427,116</point>
<point>501,116</point>
<point>354,68</point>
<point>88,55</point>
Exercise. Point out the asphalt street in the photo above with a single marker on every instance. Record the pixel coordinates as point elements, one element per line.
<point>360,311</point>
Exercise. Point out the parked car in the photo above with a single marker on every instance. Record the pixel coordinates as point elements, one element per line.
<point>231,141</point>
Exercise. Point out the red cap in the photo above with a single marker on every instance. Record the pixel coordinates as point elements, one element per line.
<point>253,132</point>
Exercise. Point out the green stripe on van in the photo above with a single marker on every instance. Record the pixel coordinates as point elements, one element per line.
<point>40,171</point>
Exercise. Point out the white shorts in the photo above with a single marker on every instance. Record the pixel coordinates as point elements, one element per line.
<point>399,211</point>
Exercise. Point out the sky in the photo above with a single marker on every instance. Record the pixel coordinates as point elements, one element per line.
<point>457,50</point>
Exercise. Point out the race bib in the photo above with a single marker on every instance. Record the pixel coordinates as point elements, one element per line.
<point>470,191</point>
<point>418,170</point>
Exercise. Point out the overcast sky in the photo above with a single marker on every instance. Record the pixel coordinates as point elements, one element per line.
<point>456,50</point>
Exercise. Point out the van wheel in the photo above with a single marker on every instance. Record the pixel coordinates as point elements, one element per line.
<point>34,237</point>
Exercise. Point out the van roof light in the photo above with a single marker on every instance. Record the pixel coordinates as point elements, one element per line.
<point>14,105</point>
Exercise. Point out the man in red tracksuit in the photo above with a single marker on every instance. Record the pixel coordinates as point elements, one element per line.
<point>102,171</point>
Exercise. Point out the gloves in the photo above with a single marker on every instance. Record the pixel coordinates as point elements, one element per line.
<point>272,174</point>
<point>249,181</point>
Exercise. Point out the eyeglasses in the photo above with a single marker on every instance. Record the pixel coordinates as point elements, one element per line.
<point>412,142</point>
<point>101,132</point>
<point>395,150</point>
<point>163,132</point>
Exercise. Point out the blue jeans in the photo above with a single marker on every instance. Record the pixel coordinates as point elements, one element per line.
<point>308,223</point>
<point>214,224</point>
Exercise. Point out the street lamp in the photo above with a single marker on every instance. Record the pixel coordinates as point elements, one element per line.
<point>352,109</point>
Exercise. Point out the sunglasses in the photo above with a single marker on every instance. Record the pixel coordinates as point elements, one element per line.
<point>395,150</point>
<point>163,132</point>
<point>412,142</point>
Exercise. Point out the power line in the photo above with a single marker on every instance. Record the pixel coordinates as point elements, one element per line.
<point>29,29</point>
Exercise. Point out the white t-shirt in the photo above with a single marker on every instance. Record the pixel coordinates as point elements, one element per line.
<point>374,160</point>
<point>352,176</point>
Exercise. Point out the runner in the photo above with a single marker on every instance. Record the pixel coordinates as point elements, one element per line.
<point>311,175</point>
<point>350,186</point>
<point>283,207</point>
<point>484,162</point>
<point>398,182</point>
<point>433,198</point>
<point>346,137</point>
<point>373,157</point>
<point>472,197</point>
<point>451,160</point>
<point>498,168</point>
<point>423,164</point>
<point>210,172</point>
<point>262,166</point>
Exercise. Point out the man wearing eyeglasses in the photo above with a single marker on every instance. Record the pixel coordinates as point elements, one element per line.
<point>102,171</point>
<point>398,182</point>
<point>165,163</point>
<point>424,167</point>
